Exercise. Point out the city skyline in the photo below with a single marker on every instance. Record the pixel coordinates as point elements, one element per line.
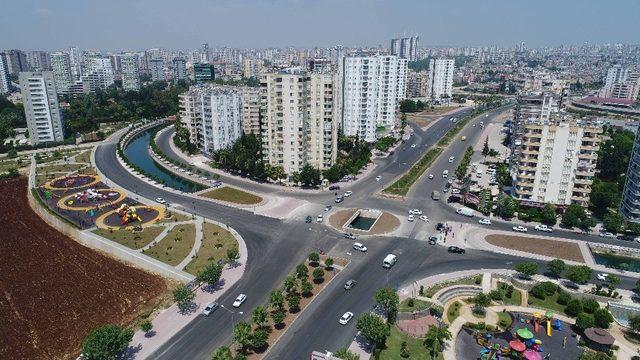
<point>255,24</point>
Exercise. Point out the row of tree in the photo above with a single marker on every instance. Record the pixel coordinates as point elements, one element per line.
<point>11,117</point>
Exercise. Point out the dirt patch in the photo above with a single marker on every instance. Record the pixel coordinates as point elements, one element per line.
<point>385,224</point>
<point>551,248</point>
<point>424,118</point>
<point>54,290</point>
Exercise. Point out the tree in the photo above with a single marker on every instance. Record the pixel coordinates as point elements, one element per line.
<point>276,299</point>
<point>309,176</point>
<point>556,267</point>
<point>527,269</point>
<point>506,207</point>
<point>301,271</point>
<point>590,305</point>
<point>485,148</point>
<point>613,222</point>
<point>306,287</point>
<point>294,302</point>
<point>210,274</point>
<point>408,106</point>
<point>573,216</point>
<point>345,354</point>
<point>314,257</point>
<point>373,329</point>
<point>278,316</point>
<point>436,337</point>
<point>318,275</point>
<point>290,284</point>
<point>389,300</point>
<point>548,215</point>
<point>259,316</point>
<point>242,334</point>
<point>579,273</point>
<point>574,307</point>
<point>603,318</point>
<point>259,338</point>
<point>146,326</point>
<point>233,255</point>
<point>106,342</point>
<point>183,296</point>
<point>613,279</point>
<point>614,154</point>
<point>634,323</point>
<point>329,263</point>
<point>584,321</point>
<point>222,353</point>
<point>481,300</point>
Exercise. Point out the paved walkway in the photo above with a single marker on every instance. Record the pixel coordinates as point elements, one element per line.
<point>196,245</point>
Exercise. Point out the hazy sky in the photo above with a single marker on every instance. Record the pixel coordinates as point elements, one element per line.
<point>183,24</point>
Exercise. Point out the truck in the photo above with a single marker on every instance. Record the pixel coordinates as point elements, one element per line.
<point>435,195</point>
<point>465,211</point>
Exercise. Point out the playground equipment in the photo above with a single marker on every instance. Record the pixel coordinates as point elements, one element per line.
<point>89,195</point>
<point>551,323</point>
<point>128,214</point>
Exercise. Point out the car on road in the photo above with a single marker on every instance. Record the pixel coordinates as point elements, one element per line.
<point>389,261</point>
<point>463,138</point>
<point>455,191</point>
<point>344,319</point>
<point>519,228</point>
<point>571,285</point>
<point>328,208</point>
<point>430,176</point>
<point>350,284</point>
<point>209,308</point>
<point>607,235</point>
<point>413,146</point>
<point>358,246</point>
<point>320,218</point>
<point>216,183</point>
<point>334,187</point>
<point>435,195</point>
<point>602,277</point>
<point>465,211</point>
<point>424,218</point>
<point>456,250</point>
<point>161,200</point>
<point>348,193</point>
<point>309,219</point>
<point>445,174</point>
<point>543,228</point>
<point>349,236</point>
<point>411,218</point>
<point>339,199</point>
<point>415,212</point>
<point>451,158</point>
<point>484,221</point>
<point>433,240</point>
<point>239,300</point>
<point>378,178</point>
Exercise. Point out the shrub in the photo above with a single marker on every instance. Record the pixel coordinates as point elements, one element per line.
<point>573,308</point>
<point>603,318</point>
<point>549,288</point>
<point>584,321</point>
<point>590,305</point>
<point>538,292</point>
<point>478,279</point>
<point>563,298</point>
<point>496,295</point>
<point>410,302</point>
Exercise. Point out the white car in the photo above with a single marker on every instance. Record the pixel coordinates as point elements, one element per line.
<point>602,277</point>
<point>424,218</point>
<point>358,246</point>
<point>607,235</point>
<point>484,221</point>
<point>519,228</point>
<point>239,300</point>
<point>345,318</point>
<point>430,176</point>
<point>451,158</point>
<point>415,212</point>
<point>348,193</point>
<point>161,200</point>
<point>411,218</point>
<point>211,307</point>
<point>320,218</point>
<point>413,146</point>
<point>455,191</point>
<point>378,178</point>
<point>543,228</point>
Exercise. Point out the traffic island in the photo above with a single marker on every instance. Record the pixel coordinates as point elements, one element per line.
<point>364,221</point>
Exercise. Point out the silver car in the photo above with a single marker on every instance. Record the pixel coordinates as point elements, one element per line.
<point>211,307</point>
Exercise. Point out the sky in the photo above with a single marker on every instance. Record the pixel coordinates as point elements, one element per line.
<point>185,24</point>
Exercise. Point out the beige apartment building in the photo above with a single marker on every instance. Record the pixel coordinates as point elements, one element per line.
<point>252,102</point>
<point>299,125</point>
<point>557,161</point>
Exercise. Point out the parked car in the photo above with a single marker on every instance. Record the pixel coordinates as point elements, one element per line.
<point>358,246</point>
<point>320,218</point>
<point>543,228</point>
<point>433,240</point>
<point>348,193</point>
<point>424,218</point>
<point>607,235</point>
<point>349,236</point>
<point>519,228</point>
<point>378,178</point>
<point>345,318</point>
<point>350,284</point>
<point>451,158</point>
<point>209,308</point>
<point>484,221</point>
<point>456,250</point>
<point>415,212</point>
<point>411,218</point>
<point>413,146</point>
<point>239,300</point>
<point>439,226</point>
<point>602,277</point>
<point>161,200</point>
<point>328,208</point>
<point>455,191</point>
<point>334,187</point>
<point>571,285</point>
<point>339,199</point>
<point>445,174</point>
<point>309,219</point>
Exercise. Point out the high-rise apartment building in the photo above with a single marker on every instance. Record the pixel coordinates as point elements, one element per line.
<point>61,68</point>
<point>156,68</point>
<point>630,204</point>
<point>252,105</point>
<point>130,72</point>
<point>179,68</point>
<point>41,108</point>
<point>417,83</point>
<point>99,73</point>
<point>405,48</point>
<point>213,115</point>
<point>16,61</point>
<point>299,124</point>
<point>75,58</point>
<point>557,162</point>
<point>251,68</point>
<point>202,73</point>
<point>39,61</point>
<point>371,87</point>
<point>621,83</point>
<point>440,80</point>
<point>5,84</point>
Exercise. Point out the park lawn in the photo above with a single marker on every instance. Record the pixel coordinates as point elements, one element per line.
<point>59,168</point>
<point>462,281</point>
<point>175,217</point>
<point>130,239</point>
<point>84,157</point>
<point>515,299</point>
<point>215,243</point>
<point>175,246</point>
<point>7,165</point>
<point>416,348</point>
<point>506,317</point>
<point>232,195</point>
<point>453,311</point>
<point>549,303</point>
<point>417,305</point>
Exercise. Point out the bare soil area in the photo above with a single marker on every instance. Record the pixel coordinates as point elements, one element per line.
<point>545,247</point>
<point>54,291</point>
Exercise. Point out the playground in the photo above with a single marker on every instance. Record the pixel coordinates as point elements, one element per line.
<point>72,182</point>
<point>91,198</point>
<point>127,215</point>
<point>532,336</point>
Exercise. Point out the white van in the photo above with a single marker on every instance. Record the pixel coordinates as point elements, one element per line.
<point>389,261</point>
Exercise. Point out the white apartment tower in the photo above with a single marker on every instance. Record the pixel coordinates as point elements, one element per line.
<point>371,87</point>
<point>179,69</point>
<point>99,73</point>
<point>156,69</point>
<point>41,108</point>
<point>130,72</point>
<point>440,79</point>
<point>621,83</point>
<point>4,76</point>
<point>300,124</point>
<point>62,75</point>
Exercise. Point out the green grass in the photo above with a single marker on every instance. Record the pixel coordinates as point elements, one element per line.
<point>233,195</point>
<point>6,165</point>
<point>549,303</point>
<point>453,311</point>
<point>128,238</point>
<point>437,287</point>
<point>174,247</point>
<point>516,295</point>
<point>59,168</point>
<point>214,247</point>
<point>416,348</point>
<point>417,305</point>
<point>504,318</point>
<point>402,185</point>
<point>175,217</point>
<point>84,157</point>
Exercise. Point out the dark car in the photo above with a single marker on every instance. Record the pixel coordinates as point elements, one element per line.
<point>334,187</point>
<point>571,285</point>
<point>439,226</point>
<point>456,250</point>
<point>349,236</point>
<point>309,219</point>
<point>432,240</point>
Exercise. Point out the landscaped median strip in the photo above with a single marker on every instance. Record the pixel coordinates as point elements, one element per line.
<point>402,186</point>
